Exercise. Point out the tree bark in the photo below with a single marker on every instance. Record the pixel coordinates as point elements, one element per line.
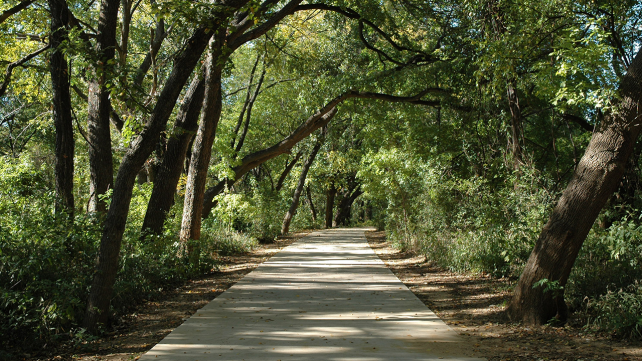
<point>139,150</point>
<point>202,149</point>
<point>62,109</point>
<point>285,227</point>
<point>345,206</point>
<point>594,180</point>
<point>517,133</point>
<point>329,205</point>
<point>286,171</point>
<point>99,108</point>
<point>171,167</point>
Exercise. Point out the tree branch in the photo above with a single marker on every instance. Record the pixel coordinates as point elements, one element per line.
<point>318,120</point>
<point>14,10</point>
<point>583,123</point>
<point>10,67</point>
<point>236,39</point>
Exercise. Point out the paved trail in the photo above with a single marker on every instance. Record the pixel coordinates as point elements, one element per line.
<point>326,297</point>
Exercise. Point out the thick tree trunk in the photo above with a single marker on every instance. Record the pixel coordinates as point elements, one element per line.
<point>62,109</point>
<point>594,180</point>
<point>285,227</point>
<point>202,149</point>
<point>329,205</point>
<point>344,208</point>
<point>171,167</point>
<point>139,150</point>
<point>98,131</point>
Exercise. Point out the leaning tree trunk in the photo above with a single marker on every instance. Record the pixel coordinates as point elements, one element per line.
<point>329,205</point>
<point>202,149</point>
<point>139,150</point>
<point>98,131</point>
<point>594,180</point>
<point>171,167</point>
<point>62,109</point>
<point>286,171</point>
<point>285,227</point>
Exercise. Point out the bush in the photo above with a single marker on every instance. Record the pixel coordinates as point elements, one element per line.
<point>465,224</point>
<point>227,242</point>
<point>47,262</point>
<point>620,312</point>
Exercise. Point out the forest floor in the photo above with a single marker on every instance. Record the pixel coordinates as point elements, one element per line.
<point>473,306</point>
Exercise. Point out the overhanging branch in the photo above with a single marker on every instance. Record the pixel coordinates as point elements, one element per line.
<point>10,67</point>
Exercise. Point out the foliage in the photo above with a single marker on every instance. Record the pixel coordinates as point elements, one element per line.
<point>620,312</point>
<point>46,260</point>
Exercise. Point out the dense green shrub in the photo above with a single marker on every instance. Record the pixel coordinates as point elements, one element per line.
<point>47,262</point>
<point>472,224</point>
<point>620,312</point>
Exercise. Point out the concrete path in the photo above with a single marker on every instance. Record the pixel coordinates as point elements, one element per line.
<point>326,297</point>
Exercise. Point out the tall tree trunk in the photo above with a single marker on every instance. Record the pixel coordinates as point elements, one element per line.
<point>62,109</point>
<point>171,167</point>
<point>98,131</point>
<point>202,149</point>
<point>285,227</point>
<point>329,205</point>
<point>139,150</point>
<point>311,204</point>
<point>517,133</point>
<point>594,180</point>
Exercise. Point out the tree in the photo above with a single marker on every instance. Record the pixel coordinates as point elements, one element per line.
<point>98,131</point>
<point>202,149</point>
<point>137,153</point>
<point>171,167</point>
<point>285,227</point>
<point>594,180</point>
<point>62,108</point>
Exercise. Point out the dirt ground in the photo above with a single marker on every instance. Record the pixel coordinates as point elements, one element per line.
<point>473,306</point>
